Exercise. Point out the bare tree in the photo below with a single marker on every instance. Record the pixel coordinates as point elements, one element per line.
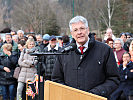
<point>1,18</point>
<point>110,6</point>
<point>31,16</point>
<point>34,15</point>
<point>2,13</point>
<point>130,15</point>
<point>63,15</point>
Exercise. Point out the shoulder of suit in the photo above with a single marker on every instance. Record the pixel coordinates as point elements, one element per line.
<point>101,44</point>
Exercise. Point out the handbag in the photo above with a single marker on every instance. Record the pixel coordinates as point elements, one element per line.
<point>16,72</point>
<point>18,69</point>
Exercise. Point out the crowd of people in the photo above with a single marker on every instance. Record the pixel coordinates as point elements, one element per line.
<point>102,67</point>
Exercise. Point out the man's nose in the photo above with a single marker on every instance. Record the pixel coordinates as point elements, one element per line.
<point>79,31</point>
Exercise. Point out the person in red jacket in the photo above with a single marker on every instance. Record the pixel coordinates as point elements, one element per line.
<point>118,51</point>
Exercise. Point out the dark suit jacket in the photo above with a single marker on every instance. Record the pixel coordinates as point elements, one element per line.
<point>96,71</point>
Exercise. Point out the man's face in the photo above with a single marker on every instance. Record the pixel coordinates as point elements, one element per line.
<point>118,44</point>
<point>53,43</point>
<point>45,41</point>
<point>8,39</point>
<point>109,34</point>
<point>123,37</point>
<point>39,39</point>
<point>110,44</point>
<point>20,34</point>
<point>80,33</point>
<point>15,39</point>
<point>126,57</point>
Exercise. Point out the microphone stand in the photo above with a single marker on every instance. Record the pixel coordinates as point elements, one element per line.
<point>39,58</point>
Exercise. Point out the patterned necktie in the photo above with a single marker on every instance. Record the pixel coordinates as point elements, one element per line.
<point>81,49</point>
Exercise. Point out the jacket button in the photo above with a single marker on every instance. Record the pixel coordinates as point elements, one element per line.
<point>103,92</point>
<point>78,87</point>
<point>78,67</point>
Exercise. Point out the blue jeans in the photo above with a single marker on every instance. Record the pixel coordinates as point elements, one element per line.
<point>8,91</point>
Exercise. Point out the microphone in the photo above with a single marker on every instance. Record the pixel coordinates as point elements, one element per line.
<point>68,48</point>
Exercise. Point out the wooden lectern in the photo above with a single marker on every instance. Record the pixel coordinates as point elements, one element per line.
<point>56,91</point>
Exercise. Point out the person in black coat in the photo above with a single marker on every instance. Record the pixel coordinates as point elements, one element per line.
<point>8,62</point>
<point>126,79</point>
<point>8,39</point>
<point>49,60</point>
<point>92,69</point>
<point>39,43</point>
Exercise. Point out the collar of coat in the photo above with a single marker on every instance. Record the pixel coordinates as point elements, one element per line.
<point>2,54</point>
<point>90,44</point>
<point>12,43</point>
<point>49,48</point>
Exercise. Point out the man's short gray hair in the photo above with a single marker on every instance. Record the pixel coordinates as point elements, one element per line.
<point>39,35</point>
<point>121,41</point>
<point>76,20</point>
<point>20,31</point>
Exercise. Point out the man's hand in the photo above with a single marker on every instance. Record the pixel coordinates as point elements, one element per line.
<point>131,70</point>
<point>124,63</point>
<point>7,69</point>
<point>7,52</point>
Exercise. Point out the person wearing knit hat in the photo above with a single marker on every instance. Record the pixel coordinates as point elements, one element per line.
<point>128,35</point>
<point>46,39</point>
<point>123,36</point>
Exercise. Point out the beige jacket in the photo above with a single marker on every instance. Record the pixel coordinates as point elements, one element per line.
<point>27,64</point>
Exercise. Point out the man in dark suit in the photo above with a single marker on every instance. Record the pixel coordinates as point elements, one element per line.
<point>91,66</point>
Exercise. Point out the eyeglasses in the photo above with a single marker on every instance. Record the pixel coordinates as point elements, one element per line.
<point>117,43</point>
<point>81,29</point>
<point>128,37</point>
<point>110,43</point>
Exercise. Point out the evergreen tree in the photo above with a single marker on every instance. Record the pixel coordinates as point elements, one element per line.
<point>51,26</point>
<point>120,20</point>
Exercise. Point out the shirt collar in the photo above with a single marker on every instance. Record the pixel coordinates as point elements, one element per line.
<point>85,45</point>
<point>49,48</point>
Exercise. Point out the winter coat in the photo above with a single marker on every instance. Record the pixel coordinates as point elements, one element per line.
<point>10,62</point>
<point>49,60</point>
<point>41,47</point>
<point>119,54</point>
<point>27,64</point>
<point>95,71</point>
